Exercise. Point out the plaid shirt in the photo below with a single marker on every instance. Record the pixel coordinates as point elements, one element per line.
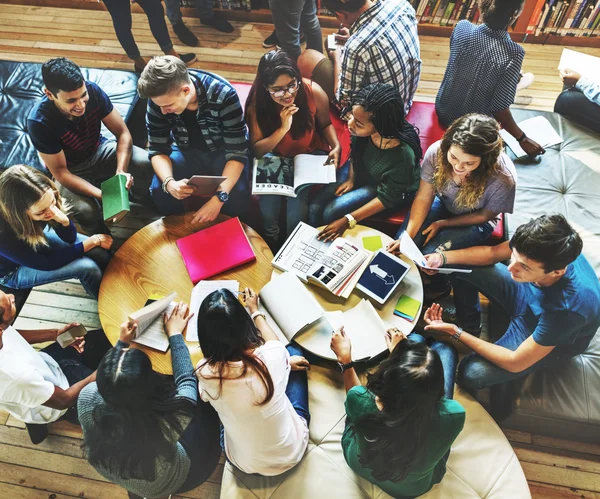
<point>219,115</point>
<point>383,47</point>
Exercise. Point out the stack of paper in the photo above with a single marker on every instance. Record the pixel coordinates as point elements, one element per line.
<point>199,293</point>
<point>151,328</point>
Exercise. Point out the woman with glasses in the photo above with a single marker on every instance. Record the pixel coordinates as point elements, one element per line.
<point>287,116</point>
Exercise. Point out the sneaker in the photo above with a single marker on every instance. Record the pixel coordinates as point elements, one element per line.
<point>185,35</point>
<point>271,41</point>
<point>219,23</point>
<point>189,59</point>
<point>525,81</point>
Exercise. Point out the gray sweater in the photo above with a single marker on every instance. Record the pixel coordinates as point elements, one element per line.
<point>171,475</point>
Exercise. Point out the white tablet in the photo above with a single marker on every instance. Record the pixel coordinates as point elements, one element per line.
<point>381,278</point>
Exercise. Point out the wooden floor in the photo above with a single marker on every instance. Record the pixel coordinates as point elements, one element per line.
<point>55,469</point>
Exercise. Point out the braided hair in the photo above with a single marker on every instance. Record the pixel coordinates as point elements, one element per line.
<point>386,112</point>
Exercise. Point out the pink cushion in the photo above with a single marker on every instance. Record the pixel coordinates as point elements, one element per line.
<point>422,115</point>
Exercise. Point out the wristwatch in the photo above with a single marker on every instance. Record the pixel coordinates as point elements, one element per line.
<point>223,196</point>
<point>343,367</point>
<point>351,221</point>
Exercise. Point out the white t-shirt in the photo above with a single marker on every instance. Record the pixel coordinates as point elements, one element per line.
<point>27,380</point>
<point>266,439</point>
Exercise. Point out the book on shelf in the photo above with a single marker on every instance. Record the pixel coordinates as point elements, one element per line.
<point>286,176</point>
<point>221,4</point>
<point>151,329</point>
<point>335,266</point>
<point>564,18</point>
<point>292,311</point>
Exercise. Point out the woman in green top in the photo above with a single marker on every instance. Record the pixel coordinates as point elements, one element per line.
<point>401,425</point>
<point>383,170</point>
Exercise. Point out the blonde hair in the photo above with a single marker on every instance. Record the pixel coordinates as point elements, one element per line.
<point>477,135</point>
<point>21,187</point>
<point>162,75</point>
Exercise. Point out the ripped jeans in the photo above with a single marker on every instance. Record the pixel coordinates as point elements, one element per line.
<point>452,238</point>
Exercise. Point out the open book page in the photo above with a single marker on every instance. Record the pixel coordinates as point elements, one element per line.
<point>199,293</point>
<point>347,286</point>
<point>363,326</point>
<point>310,169</point>
<point>585,64</point>
<point>273,175</point>
<point>337,264</point>
<point>538,129</point>
<point>410,249</point>
<point>154,335</point>
<point>146,315</point>
<point>290,304</point>
<point>301,250</point>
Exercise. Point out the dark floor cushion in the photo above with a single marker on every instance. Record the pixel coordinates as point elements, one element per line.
<point>21,87</point>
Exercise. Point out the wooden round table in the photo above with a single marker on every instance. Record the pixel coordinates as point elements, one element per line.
<point>149,263</point>
<point>411,285</point>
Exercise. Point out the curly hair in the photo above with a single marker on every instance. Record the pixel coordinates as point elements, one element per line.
<point>477,135</point>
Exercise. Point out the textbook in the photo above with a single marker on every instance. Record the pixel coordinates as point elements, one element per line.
<point>206,185</point>
<point>335,266</point>
<point>285,176</point>
<point>115,199</point>
<point>538,129</point>
<point>292,311</point>
<point>409,248</point>
<point>151,329</point>
<point>215,249</point>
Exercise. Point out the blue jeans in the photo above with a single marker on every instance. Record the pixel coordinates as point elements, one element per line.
<point>449,357</point>
<point>204,8</point>
<point>88,269</point>
<point>291,17</point>
<point>192,161</point>
<point>296,212</point>
<point>77,366</point>
<point>327,207</point>
<point>120,12</point>
<point>446,239</point>
<point>496,283</point>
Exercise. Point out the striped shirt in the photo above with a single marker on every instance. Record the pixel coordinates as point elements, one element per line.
<point>482,72</point>
<point>383,47</point>
<point>219,116</point>
<point>52,132</point>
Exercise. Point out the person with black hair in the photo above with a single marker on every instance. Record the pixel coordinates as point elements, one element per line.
<point>142,430</point>
<point>65,128</point>
<point>258,386</point>
<point>378,43</point>
<point>293,119</point>
<point>383,170</point>
<point>549,290</point>
<point>401,425</point>
<point>484,70</point>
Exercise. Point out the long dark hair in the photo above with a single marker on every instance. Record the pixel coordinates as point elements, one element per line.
<point>386,109</point>
<point>410,385</point>
<point>271,66</point>
<point>140,420</point>
<point>226,333</point>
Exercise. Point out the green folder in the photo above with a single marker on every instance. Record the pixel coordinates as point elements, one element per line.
<point>407,307</point>
<point>115,199</point>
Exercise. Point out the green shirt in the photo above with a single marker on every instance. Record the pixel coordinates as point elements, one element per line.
<point>394,171</point>
<point>428,468</point>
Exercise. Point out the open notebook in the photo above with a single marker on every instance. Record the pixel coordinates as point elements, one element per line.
<point>151,329</point>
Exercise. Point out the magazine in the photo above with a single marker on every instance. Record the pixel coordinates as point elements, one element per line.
<point>286,176</point>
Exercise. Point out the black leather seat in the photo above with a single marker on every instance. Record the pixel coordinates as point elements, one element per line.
<point>562,402</point>
<point>21,87</point>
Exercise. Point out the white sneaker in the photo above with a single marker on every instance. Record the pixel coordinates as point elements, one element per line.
<point>525,81</point>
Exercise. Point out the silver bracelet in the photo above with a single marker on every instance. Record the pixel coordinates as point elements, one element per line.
<point>166,183</point>
<point>456,336</point>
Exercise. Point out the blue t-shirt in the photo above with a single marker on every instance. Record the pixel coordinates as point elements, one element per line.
<point>51,131</point>
<point>566,314</point>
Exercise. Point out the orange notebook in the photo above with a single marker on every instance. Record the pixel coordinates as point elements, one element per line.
<point>215,249</point>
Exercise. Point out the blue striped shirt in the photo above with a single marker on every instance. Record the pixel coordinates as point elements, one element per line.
<point>219,116</point>
<point>482,72</point>
<point>383,47</point>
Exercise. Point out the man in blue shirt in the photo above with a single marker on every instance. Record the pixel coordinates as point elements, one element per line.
<point>549,290</point>
<point>65,128</point>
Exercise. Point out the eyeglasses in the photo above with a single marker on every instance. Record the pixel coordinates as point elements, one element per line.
<point>291,89</point>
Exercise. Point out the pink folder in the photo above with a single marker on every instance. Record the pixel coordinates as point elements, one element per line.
<point>215,249</point>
